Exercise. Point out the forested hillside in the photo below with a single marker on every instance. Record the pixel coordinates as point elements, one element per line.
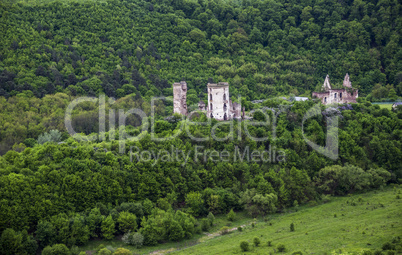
<point>57,192</point>
<point>71,192</point>
<point>262,48</point>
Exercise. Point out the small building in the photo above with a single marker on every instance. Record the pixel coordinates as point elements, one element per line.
<point>337,96</point>
<point>301,99</point>
<point>395,105</point>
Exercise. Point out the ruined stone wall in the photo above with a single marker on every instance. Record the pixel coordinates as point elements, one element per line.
<point>337,96</point>
<point>235,110</point>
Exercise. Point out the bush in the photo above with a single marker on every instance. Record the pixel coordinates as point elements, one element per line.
<point>390,252</point>
<point>122,251</point>
<point>292,227</point>
<point>244,246</point>
<point>297,253</point>
<point>387,246</point>
<point>127,221</point>
<point>269,243</point>
<point>367,252</point>
<point>378,252</point>
<point>253,224</point>
<point>256,241</point>
<point>57,249</point>
<point>104,251</point>
<point>52,136</point>
<point>231,215</point>
<point>205,224</point>
<point>281,247</point>
<point>211,218</point>
<point>224,230</point>
<point>240,229</point>
<point>198,229</point>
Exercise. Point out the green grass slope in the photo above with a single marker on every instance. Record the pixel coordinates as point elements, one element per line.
<point>362,222</point>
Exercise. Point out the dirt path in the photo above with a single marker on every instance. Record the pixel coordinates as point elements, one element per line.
<point>207,236</point>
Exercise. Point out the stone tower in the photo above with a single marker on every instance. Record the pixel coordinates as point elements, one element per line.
<point>347,82</point>
<point>218,101</point>
<point>180,97</point>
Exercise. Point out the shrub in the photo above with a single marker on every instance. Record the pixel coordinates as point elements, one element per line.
<point>211,218</point>
<point>335,215</point>
<point>240,229</point>
<point>256,241</point>
<point>59,249</point>
<point>253,224</point>
<point>104,251</point>
<point>390,252</point>
<point>198,229</point>
<point>127,221</point>
<point>281,247</point>
<point>297,253</point>
<point>367,252</point>
<point>122,251</point>
<point>137,239</point>
<point>52,136</point>
<point>269,243</point>
<point>126,237</point>
<point>292,227</point>
<point>244,246</point>
<point>231,215</point>
<point>387,246</point>
<point>378,252</point>
<point>224,230</point>
<point>205,224</point>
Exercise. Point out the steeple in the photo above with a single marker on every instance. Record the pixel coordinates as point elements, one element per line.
<point>347,82</point>
<point>326,86</point>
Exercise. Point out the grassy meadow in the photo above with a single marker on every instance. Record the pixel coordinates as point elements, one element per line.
<point>349,224</point>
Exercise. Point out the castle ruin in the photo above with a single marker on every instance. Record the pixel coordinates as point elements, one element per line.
<point>180,97</point>
<point>337,96</point>
<point>219,105</point>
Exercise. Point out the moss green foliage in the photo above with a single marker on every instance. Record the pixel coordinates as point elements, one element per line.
<point>108,227</point>
<point>256,241</point>
<point>281,247</point>
<point>224,230</point>
<point>57,249</point>
<point>244,246</point>
<point>231,216</point>
<point>323,230</point>
<point>68,192</point>
<point>139,48</point>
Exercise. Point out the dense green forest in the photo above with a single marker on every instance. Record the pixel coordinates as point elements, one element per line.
<point>139,48</point>
<point>70,192</point>
<point>262,48</point>
<point>57,192</point>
